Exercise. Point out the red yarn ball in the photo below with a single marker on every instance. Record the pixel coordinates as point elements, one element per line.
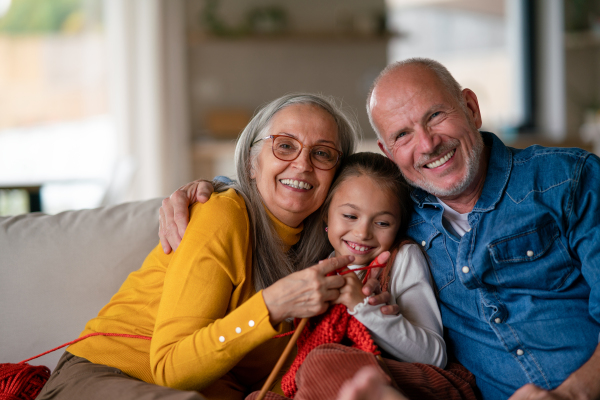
<point>22,381</point>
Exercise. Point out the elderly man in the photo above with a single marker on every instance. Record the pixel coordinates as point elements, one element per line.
<point>513,236</point>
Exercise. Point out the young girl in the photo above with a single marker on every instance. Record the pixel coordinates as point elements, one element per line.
<point>366,213</point>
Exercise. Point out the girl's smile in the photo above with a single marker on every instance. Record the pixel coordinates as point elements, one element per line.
<point>363,219</point>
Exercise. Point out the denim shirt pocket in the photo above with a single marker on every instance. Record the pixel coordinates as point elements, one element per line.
<point>433,242</point>
<point>534,259</point>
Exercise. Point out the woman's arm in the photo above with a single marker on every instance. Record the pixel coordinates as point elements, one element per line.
<point>416,334</point>
<point>204,327</point>
<point>196,338</point>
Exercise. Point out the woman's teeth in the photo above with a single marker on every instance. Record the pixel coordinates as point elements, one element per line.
<point>296,184</point>
<point>441,161</point>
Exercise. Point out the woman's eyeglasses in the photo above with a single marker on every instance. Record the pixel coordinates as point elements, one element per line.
<point>286,148</point>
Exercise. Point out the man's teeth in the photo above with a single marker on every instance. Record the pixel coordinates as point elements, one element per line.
<point>358,247</point>
<point>296,184</point>
<point>441,161</point>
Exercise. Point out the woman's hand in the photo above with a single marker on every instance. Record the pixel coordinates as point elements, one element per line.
<point>305,293</point>
<point>174,213</point>
<point>351,293</point>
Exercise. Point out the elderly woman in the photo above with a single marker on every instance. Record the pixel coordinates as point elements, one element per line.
<point>215,306</point>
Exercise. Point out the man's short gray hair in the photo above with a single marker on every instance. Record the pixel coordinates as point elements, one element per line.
<point>442,73</point>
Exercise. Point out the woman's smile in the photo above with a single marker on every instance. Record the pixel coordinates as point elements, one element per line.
<point>292,190</point>
<point>296,184</point>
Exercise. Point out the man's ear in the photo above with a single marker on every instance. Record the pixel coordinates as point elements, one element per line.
<point>384,149</point>
<point>473,110</point>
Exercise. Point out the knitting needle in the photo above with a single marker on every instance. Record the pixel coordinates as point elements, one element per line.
<point>385,369</point>
<point>282,359</point>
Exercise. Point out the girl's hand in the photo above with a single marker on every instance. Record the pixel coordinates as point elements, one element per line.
<point>351,293</point>
<point>372,287</point>
<point>305,293</point>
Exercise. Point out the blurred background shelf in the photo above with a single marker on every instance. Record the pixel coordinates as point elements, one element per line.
<point>105,101</point>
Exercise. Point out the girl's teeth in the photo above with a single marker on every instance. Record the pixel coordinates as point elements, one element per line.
<point>359,248</point>
<point>296,184</point>
<point>441,161</point>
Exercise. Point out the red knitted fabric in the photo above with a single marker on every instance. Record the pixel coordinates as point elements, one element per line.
<point>335,326</point>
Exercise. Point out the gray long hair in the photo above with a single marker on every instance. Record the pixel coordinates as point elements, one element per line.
<point>269,262</point>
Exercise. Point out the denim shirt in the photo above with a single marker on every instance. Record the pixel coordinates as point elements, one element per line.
<point>520,292</point>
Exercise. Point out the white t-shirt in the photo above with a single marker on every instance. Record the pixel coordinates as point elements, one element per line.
<point>416,334</point>
<point>458,221</point>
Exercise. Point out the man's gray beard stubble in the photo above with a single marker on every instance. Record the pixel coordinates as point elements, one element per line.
<point>472,169</point>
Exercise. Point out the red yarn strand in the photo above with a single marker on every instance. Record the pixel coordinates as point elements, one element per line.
<point>22,381</point>
<point>85,337</point>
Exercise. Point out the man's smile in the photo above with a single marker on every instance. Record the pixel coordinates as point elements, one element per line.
<point>442,160</point>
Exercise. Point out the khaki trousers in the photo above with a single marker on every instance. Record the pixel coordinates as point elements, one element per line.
<point>77,378</point>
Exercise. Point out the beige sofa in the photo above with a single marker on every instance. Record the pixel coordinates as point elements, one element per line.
<point>57,271</point>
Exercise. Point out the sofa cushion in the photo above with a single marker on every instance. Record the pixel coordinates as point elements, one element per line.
<point>58,271</point>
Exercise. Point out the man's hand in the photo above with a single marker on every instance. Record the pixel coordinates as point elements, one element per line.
<point>174,214</point>
<point>369,383</point>
<point>532,392</point>
<point>583,384</point>
<point>372,286</point>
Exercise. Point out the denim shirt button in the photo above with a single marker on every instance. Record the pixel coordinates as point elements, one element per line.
<point>529,253</point>
<point>519,352</point>
<point>465,269</point>
<point>497,320</point>
<point>423,243</point>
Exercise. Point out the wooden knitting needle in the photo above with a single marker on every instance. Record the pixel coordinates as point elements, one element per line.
<point>282,359</point>
<point>385,369</point>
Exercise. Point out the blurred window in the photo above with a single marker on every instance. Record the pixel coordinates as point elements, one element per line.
<point>483,43</point>
<point>55,130</point>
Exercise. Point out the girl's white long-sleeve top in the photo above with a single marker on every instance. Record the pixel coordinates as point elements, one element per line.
<point>416,333</point>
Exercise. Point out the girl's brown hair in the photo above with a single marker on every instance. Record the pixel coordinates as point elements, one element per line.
<point>385,174</point>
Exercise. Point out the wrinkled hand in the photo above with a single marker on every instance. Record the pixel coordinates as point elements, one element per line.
<point>351,293</point>
<point>372,286</point>
<point>174,213</point>
<point>305,293</point>
<point>582,384</point>
<point>532,392</point>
